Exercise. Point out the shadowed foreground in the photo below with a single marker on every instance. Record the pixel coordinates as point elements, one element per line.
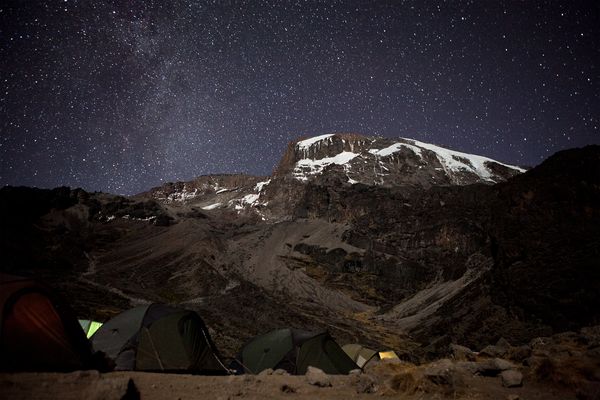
<point>134,385</point>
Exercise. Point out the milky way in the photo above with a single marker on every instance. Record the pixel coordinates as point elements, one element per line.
<point>120,96</point>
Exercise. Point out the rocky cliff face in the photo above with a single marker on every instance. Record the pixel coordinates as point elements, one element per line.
<point>392,260</point>
<point>470,263</point>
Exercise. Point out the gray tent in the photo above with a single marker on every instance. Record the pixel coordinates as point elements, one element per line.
<point>294,350</point>
<point>158,337</point>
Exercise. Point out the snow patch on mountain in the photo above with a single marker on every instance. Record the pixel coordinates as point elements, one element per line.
<point>305,144</point>
<point>212,206</point>
<point>147,219</point>
<point>457,161</point>
<point>181,196</point>
<point>395,148</point>
<point>261,185</point>
<point>306,167</point>
<point>250,199</point>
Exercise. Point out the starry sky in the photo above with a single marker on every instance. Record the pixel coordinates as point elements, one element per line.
<point>121,96</point>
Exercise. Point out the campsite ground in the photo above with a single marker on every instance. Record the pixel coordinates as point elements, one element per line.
<point>91,385</point>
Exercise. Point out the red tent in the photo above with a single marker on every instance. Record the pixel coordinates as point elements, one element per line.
<point>37,331</point>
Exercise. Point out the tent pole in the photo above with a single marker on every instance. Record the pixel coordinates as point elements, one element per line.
<point>154,349</point>
<point>214,352</point>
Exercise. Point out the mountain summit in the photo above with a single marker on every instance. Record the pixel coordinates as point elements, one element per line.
<point>388,162</point>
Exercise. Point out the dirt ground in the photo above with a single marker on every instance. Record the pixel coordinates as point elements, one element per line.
<point>91,385</point>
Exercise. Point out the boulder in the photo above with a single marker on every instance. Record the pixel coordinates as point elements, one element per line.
<point>317,377</point>
<point>503,344</point>
<point>280,371</point>
<point>469,367</point>
<point>533,361</point>
<point>440,372</point>
<point>365,384</point>
<point>502,365</point>
<point>462,353</point>
<point>519,353</point>
<point>489,367</point>
<point>493,351</point>
<point>511,378</point>
<point>264,372</point>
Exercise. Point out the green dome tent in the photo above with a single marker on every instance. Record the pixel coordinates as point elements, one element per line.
<point>158,337</point>
<point>89,327</point>
<point>38,332</point>
<point>294,351</point>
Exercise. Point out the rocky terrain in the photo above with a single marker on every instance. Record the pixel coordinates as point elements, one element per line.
<point>391,243</point>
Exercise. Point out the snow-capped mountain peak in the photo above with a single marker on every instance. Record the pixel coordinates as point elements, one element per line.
<point>381,161</point>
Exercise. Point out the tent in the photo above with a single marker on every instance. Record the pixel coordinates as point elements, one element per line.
<point>89,326</point>
<point>362,355</point>
<point>158,337</point>
<point>38,332</point>
<point>294,350</point>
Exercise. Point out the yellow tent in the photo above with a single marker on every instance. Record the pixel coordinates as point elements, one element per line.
<point>89,327</point>
<point>388,355</point>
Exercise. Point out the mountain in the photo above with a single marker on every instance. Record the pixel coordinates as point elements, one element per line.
<point>336,160</point>
<point>392,243</point>
<point>387,162</point>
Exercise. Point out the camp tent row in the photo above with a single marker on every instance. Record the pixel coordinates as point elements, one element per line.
<point>158,337</point>
<point>39,333</point>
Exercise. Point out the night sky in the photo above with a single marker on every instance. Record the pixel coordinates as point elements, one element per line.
<point>120,96</point>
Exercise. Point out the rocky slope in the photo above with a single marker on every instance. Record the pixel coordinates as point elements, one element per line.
<point>403,245</point>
